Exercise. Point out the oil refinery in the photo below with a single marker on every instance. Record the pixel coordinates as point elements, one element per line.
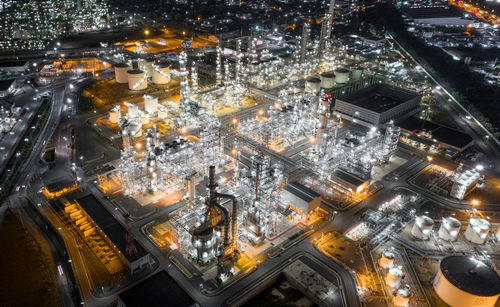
<point>313,169</point>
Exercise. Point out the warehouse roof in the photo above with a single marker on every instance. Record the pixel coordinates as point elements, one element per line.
<point>442,134</point>
<point>158,290</point>
<point>432,12</point>
<point>5,84</point>
<point>108,224</point>
<point>380,97</point>
<point>471,275</point>
<point>349,178</point>
<point>301,191</point>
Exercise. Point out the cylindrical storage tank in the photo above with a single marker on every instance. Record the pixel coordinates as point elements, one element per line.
<point>466,281</point>
<point>477,230</point>
<point>133,110</point>
<point>114,115</point>
<point>387,259</point>
<point>162,112</point>
<point>161,74</point>
<point>357,73</point>
<point>145,118</point>
<point>137,80</point>
<point>393,277</point>
<point>121,70</point>
<point>341,76</point>
<point>313,85</point>
<point>450,227</point>
<point>327,80</point>
<point>402,297</point>
<point>150,103</point>
<point>422,227</point>
<point>147,66</point>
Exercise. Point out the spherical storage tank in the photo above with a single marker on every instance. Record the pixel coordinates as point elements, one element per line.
<point>121,72</point>
<point>137,80</point>
<point>465,281</point>
<point>477,230</point>
<point>161,74</point>
<point>327,80</point>
<point>450,227</point>
<point>313,85</point>
<point>422,227</point>
<point>387,259</point>
<point>150,103</point>
<point>341,75</point>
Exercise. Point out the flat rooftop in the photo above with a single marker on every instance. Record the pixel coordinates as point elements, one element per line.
<point>432,12</point>
<point>301,191</point>
<point>158,290</point>
<point>441,133</point>
<point>380,97</point>
<point>347,177</point>
<point>108,224</point>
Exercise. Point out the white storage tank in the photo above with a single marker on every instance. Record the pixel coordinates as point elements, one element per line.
<point>387,259</point>
<point>137,80</point>
<point>162,112</point>
<point>114,115</point>
<point>357,73</point>
<point>393,277</point>
<point>422,227</point>
<point>341,76</point>
<point>465,281</point>
<point>161,74</point>
<point>450,227</point>
<point>327,80</point>
<point>313,85</point>
<point>477,230</point>
<point>121,70</point>
<point>402,297</point>
<point>144,118</point>
<point>147,66</point>
<point>133,110</point>
<point>150,103</point>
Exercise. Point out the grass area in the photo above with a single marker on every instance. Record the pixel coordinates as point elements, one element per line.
<point>26,279</point>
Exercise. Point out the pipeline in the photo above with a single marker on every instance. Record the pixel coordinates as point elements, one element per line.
<point>257,175</point>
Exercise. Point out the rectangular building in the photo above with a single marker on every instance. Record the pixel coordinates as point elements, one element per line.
<point>378,104</point>
<point>114,231</point>
<point>301,197</point>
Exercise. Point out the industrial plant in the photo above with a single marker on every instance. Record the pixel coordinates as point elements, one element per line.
<point>313,163</point>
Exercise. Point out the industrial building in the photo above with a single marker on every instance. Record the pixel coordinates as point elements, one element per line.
<point>349,183</point>
<point>132,253</point>
<point>437,16</point>
<point>158,290</point>
<point>378,104</point>
<point>301,197</point>
<point>466,281</point>
<point>7,87</point>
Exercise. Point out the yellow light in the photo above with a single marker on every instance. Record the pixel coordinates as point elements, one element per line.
<point>233,151</point>
<point>430,158</point>
<point>277,105</point>
<point>183,130</point>
<point>235,121</point>
<point>138,145</point>
<point>146,32</point>
<point>475,202</point>
<point>261,112</point>
<point>312,139</point>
